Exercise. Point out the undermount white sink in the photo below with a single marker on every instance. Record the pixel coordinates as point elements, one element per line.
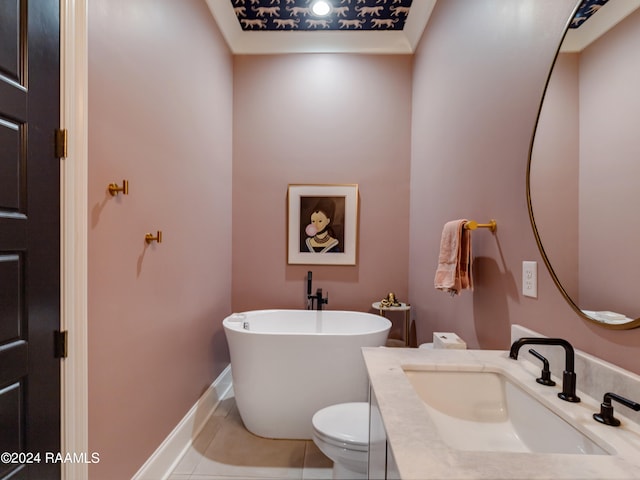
<point>485,411</point>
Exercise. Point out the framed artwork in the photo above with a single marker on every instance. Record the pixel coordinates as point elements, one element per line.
<point>322,224</point>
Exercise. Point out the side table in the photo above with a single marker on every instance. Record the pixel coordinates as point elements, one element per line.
<point>404,307</point>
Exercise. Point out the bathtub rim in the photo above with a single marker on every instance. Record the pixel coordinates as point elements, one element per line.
<point>236,325</point>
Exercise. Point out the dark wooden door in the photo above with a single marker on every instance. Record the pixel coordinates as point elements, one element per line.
<point>29,237</point>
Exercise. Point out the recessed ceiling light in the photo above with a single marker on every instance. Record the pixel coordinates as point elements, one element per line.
<point>321,8</point>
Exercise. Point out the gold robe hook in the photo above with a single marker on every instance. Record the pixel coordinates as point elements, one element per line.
<point>149,237</point>
<point>114,188</point>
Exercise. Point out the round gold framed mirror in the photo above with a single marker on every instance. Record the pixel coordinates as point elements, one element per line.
<point>585,161</point>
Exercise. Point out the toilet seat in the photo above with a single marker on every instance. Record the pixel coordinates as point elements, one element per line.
<point>345,425</point>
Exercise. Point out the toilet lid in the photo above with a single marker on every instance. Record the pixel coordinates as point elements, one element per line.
<point>345,422</point>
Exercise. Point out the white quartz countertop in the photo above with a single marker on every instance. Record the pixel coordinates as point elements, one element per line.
<point>420,454</point>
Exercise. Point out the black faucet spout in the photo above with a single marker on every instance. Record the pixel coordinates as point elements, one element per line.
<point>569,353</point>
<point>568,376</point>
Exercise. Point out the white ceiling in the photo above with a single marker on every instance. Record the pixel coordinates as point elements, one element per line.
<point>363,41</point>
<point>609,15</point>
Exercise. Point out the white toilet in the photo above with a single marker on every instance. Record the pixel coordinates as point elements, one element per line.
<point>341,432</point>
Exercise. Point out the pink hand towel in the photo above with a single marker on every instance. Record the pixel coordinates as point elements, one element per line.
<point>465,262</point>
<point>454,261</point>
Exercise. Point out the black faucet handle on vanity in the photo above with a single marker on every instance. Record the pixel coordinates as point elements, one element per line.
<point>606,409</point>
<point>568,376</point>
<point>545,376</point>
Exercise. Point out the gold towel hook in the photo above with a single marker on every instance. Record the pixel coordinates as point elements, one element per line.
<point>114,188</point>
<point>472,225</point>
<point>149,237</point>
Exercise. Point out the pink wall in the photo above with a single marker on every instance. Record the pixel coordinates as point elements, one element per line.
<point>478,80</point>
<point>160,103</point>
<point>318,119</point>
<point>609,148</point>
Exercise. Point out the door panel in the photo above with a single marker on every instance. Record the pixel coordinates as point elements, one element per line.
<point>10,36</point>
<point>10,297</point>
<point>11,163</point>
<point>10,401</point>
<point>29,234</point>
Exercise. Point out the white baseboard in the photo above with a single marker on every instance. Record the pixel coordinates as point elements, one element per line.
<point>168,454</point>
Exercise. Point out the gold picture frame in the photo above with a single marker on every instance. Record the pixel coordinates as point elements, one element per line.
<point>322,224</point>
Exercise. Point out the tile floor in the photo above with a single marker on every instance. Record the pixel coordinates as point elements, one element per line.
<point>226,450</point>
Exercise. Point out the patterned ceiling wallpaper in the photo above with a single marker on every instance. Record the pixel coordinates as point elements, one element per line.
<point>586,9</point>
<point>345,15</point>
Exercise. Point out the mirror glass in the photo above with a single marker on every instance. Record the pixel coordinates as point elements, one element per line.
<point>584,166</point>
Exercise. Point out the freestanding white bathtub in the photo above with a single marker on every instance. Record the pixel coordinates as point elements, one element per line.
<point>288,364</point>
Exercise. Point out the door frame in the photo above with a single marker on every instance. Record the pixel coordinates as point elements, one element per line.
<point>73,233</point>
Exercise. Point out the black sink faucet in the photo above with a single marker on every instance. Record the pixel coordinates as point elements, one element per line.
<point>568,376</point>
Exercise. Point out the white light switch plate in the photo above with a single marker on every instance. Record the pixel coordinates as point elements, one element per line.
<point>530,279</point>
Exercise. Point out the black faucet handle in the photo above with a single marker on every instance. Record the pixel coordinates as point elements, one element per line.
<point>545,376</point>
<point>606,409</point>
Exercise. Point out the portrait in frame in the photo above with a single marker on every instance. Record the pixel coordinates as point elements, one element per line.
<point>322,223</point>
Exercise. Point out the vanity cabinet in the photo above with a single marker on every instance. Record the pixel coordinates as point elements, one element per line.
<point>382,465</point>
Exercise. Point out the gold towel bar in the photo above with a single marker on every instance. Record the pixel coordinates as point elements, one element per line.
<point>472,225</point>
